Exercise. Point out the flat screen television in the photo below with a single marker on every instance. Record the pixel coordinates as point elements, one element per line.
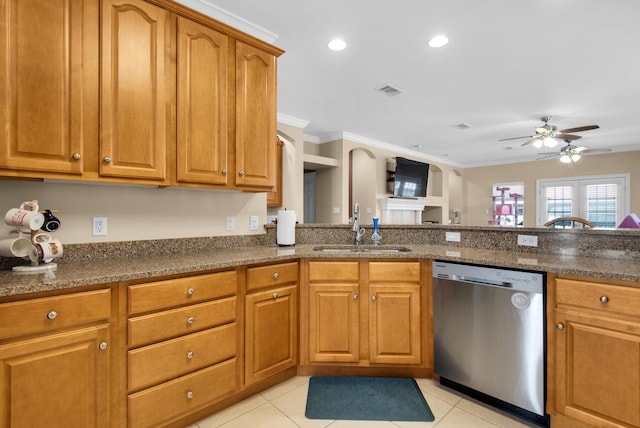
<point>410,180</point>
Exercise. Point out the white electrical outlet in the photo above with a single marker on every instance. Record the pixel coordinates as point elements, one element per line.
<point>528,240</point>
<point>231,223</point>
<point>452,236</point>
<point>254,222</point>
<point>99,226</point>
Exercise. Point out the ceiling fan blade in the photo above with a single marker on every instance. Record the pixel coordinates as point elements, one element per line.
<point>531,141</point>
<point>593,151</point>
<point>566,137</point>
<point>578,129</point>
<point>516,138</point>
<point>548,155</point>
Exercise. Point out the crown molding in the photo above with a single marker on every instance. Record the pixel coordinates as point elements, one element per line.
<point>292,121</point>
<point>222,15</point>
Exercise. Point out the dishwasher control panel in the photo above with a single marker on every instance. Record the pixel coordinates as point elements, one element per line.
<point>490,276</point>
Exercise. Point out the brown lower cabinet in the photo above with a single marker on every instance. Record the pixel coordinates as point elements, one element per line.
<point>595,353</point>
<point>366,313</point>
<point>55,361</point>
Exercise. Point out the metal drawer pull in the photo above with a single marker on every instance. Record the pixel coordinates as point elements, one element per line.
<point>373,298</point>
<point>52,315</point>
<point>355,297</point>
<point>190,320</point>
<point>103,346</point>
<point>107,159</point>
<point>189,395</point>
<point>224,171</point>
<point>76,156</point>
<point>560,326</point>
<point>241,173</point>
<point>276,275</point>
<point>190,291</point>
<point>275,294</point>
<point>604,299</point>
<point>189,355</point>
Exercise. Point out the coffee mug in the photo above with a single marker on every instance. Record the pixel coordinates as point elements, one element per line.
<point>16,247</point>
<point>48,248</point>
<point>51,222</point>
<point>25,218</point>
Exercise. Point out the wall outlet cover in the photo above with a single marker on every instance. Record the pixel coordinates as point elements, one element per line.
<point>99,226</point>
<point>452,236</point>
<point>254,222</point>
<point>231,223</point>
<point>528,240</point>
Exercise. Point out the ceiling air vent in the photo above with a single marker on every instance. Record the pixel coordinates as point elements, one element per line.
<point>389,90</point>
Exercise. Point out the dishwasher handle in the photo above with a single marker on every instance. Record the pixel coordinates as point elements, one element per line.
<point>471,280</point>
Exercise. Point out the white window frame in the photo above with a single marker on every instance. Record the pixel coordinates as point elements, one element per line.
<point>579,185</point>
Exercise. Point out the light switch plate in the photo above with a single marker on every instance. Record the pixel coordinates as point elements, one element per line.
<point>452,236</point>
<point>528,240</point>
<point>254,222</point>
<point>231,223</point>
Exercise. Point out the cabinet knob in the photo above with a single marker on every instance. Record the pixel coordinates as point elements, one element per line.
<point>224,171</point>
<point>560,326</point>
<point>190,291</point>
<point>355,297</point>
<point>604,299</point>
<point>275,294</point>
<point>189,395</point>
<point>190,320</point>
<point>103,346</point>
<point>76,156</point>
<point>276,275</point>
<point>241,173</point>
<point>373,298</point>
<point>52,315</point>
<point>107,159</point>
<point>189,355</point>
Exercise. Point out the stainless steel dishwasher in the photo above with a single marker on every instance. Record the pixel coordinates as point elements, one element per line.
<point>489,338</point>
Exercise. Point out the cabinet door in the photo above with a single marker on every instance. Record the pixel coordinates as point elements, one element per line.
<point>255,117</point>
<point>42,97</point>
<point>598,369</point>
<point>202,104</point>
<point>334,322</point>
<point>271,337</point>
<point>135,69</point>
<point>394,324</point>
<point>59,380</point>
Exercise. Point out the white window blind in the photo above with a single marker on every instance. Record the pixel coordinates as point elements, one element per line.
<point>603,200</point>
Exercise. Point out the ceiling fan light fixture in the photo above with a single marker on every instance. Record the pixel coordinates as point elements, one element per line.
<point>550,142</point>
<point>537,143</point>
<point>565,159</point>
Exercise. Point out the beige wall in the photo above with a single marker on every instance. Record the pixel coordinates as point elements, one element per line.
<point>136,212</point>
<point>479,182</point>
<point>292,170</point>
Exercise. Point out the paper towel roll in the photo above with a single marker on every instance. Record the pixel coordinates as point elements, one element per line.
<point>286,229</point>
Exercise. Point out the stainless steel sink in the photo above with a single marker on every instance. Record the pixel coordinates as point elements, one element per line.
<point>361,249</point>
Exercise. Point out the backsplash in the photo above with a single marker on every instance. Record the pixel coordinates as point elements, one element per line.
<point>618,243</point>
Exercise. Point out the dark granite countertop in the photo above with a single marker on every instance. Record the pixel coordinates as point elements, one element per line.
<point>84,273</point>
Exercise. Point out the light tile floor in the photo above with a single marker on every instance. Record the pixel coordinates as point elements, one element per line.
<point>283,406</point>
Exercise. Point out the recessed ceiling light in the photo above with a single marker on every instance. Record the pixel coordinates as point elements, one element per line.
<point>337,44</point>
<point>438,41</point>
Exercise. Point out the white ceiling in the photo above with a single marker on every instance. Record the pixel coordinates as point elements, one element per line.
<point>508,63</point>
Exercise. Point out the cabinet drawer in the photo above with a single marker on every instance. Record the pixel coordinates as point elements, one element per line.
<point>169,401</point>
<point>268,276</point>
<point>394,271</point>
<point>166,360</point>
<point>610,298</point>
<point>177,292</point>
<point>334,271</point>
<point>176,322</point>
<point>49,313</point>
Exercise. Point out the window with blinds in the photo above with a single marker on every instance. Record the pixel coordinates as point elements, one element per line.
<point>603,200</point>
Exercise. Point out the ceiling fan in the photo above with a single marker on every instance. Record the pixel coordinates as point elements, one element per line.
<point>547,134</point>
<point>571,153</point>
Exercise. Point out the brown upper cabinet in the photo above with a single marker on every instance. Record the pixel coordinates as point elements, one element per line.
<point>45,86</point>
<point>136,91</point>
